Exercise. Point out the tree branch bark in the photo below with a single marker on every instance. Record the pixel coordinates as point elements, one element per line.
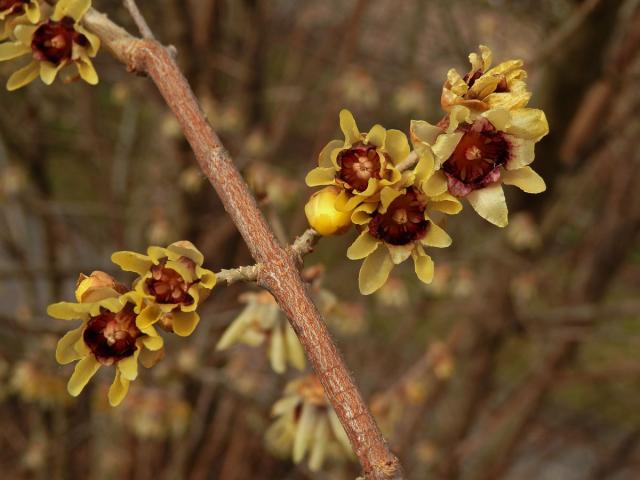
<point>279,266</point>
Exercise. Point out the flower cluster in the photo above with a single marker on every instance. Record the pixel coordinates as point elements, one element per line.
<point>118,323</point>
<point>394,194</point>
<point>306,423</point>
<point>53,42</point>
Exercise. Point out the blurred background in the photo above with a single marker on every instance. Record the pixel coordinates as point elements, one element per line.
<point>520,361</point>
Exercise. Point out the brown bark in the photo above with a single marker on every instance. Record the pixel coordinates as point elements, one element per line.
<point>279,269</point>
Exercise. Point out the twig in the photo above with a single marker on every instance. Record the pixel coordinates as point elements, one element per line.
<point>278,272</point>
<point>409,162</point>
<point>141,23</point>
<point>240,274</point>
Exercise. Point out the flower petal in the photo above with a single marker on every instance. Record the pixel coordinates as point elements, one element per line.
<point>362,247</point>
<point>423,265</point>
<point>132,262</point>
<point>65,351</point>
<point>295,352</point>
<point>374,271</point>
<point>376,136</point>
<point>85,369</point>
<point>118,389</point>
<point>444,146</point>
<point>33,12</point>
<point>277,353</point>
<point>396,145</point>
<point>306,425</point>
<point>128,366</point>
<point>521,152</point>
<point>86,71</point>
<point>319,444</point>
<point>320,176</point>
<point>22,77</point>
<point>525,179</point>
<point>68,310</point>
<point>490,204</point>
<point>349,127</point>
<point>11,50</point>
<point>436,237</point>
<point>71,8</point>
<point>399,253</point>
<point>528,123</point>
<point>49,71</point>
<point>148,316</point>
<point>184,323</point>
<point>324,159</point>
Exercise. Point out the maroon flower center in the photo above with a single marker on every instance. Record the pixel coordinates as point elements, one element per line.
<point>471,79</point>
<point>357,165</point>
<point>13,5</point>
<point>112,336</point>
<point>480,151</point>
<point>167,285</point>
<point>53,41</point>
<point>403,222</point>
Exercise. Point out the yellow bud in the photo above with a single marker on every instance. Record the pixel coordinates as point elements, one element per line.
<point>322,214</point>
<point>97,286</point>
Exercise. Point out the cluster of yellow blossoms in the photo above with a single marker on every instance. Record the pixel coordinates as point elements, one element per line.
<point>53,41</point>
<point>389,192</point>
<point>118,323</point>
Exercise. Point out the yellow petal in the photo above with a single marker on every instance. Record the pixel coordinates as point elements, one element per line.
<point>49,71</point>
<point>128,367</point>
<point>65,351</point>
<point>425,167</point>
<point>349,127</point>
<point>94,41</point>
<point>445,203</point>
<point>33,11</point>
<point>525,179</point>
<point>490,204</point>
<point>424,132</point>
<point>374,271</point>
<point>444,146</point>
<point>132,262</point>
<point>151,340</point>
<point>399,253</point>
<point>396,145</point>
<point>24,34</point>
<point>118,389</point>
<point>149,358</point>
<point>457,115</point>
<point>338,431</point>
<point>320,176</point>
<point>85,369</point>
<point>362,213</point>
<point>436,237</point>
<point>521,152</point>
<point>423,265</point>
<point>324,159</point>
<point>376,136</point>
<point>23,76</point>
<point>295,352</point>
<point>184,248</point>
<point>277,353</point>
<point>207,278</point>
<point>319,444</point>
<point>362,247</point>
<point>86,71</point>
<point>184,323</point>
<point>68,310</point>
<point>305,429</point>
<point>11,50</point>
<point>148,316</point>
<point>435,185</point>
<point>528,123</point>
<point>387,196</point>
<point>499,118</point>
<point>71,8</point>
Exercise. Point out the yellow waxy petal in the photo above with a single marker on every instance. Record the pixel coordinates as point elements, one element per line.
<point>319,444</point>
<point>132,262</point>
<point>444,146</point>
<point>324,159</point>
<point>436,237</point>
<point>499,118</point>
<point>207,277</point>
<point>33,11</point>
<point>148,316</point>
<point>71,8</point>
<point>184,323</point>
<point>86,71</point>
<point>396,145</point>
<point>94,41</point>
<point>424,132</point>
<point>349,127</point>
<point>435,185</point>
<point>295,352</point>
<point>118,389</point>
<point>445,203</point>
<point>528,123</point>
<point>304,432</point>
<point>277,353</point>
<point>184,248</point>
<point>320,176</point>
<point>338,431</point>
<point>374,271</point>
<point>284,405</point>
<point>128,367</point>
<point>490,204</point>
<point>457,115</point>
<point>423,265</point>
<point>376,136</point>
<point>68,310</point>
<point>525,179</point>
<point>85,369</point>
<point>24,34</point>
<point>158,253</point>
<point>49,71</point>
<point>522,152</point>
<point>23,76</point>
<point>362,247</point>
<point>362,213</point>
<point>399,253</point>
<point>65,350</point>
<point>425,167</point>
<point>149,358</point>
<point>387,196</point>
<point>11,50</point>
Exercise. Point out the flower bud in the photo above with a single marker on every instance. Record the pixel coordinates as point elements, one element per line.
<point>323,215</point>
<point>97,286</point>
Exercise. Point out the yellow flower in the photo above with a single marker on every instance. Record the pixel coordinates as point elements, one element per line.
<point>476,153</point>
<point>307,423</point>
<point>362,164</point>
<point>483,88</point>
<point>322,213</point>
<point>173,283</point>
<point>14,12</point>
<point>262,321</point>
<point>97,286</point>
<point>110,334</point>
<point>54,44</point>
<point>400,227</point>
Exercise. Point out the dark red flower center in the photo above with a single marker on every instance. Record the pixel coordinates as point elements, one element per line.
<point>480,151</point>
<point>471,79</point>
<point>13,5</point>
<point>357,165</point>
<point>53,41</point>
<point>403,222</point>
<point>167,285</point>
<point>112,336</point>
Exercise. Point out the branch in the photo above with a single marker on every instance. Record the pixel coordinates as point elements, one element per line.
<point>141,23</point>
<point>278,272</point>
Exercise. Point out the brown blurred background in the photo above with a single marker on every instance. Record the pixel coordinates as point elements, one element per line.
<point>520,362</point>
